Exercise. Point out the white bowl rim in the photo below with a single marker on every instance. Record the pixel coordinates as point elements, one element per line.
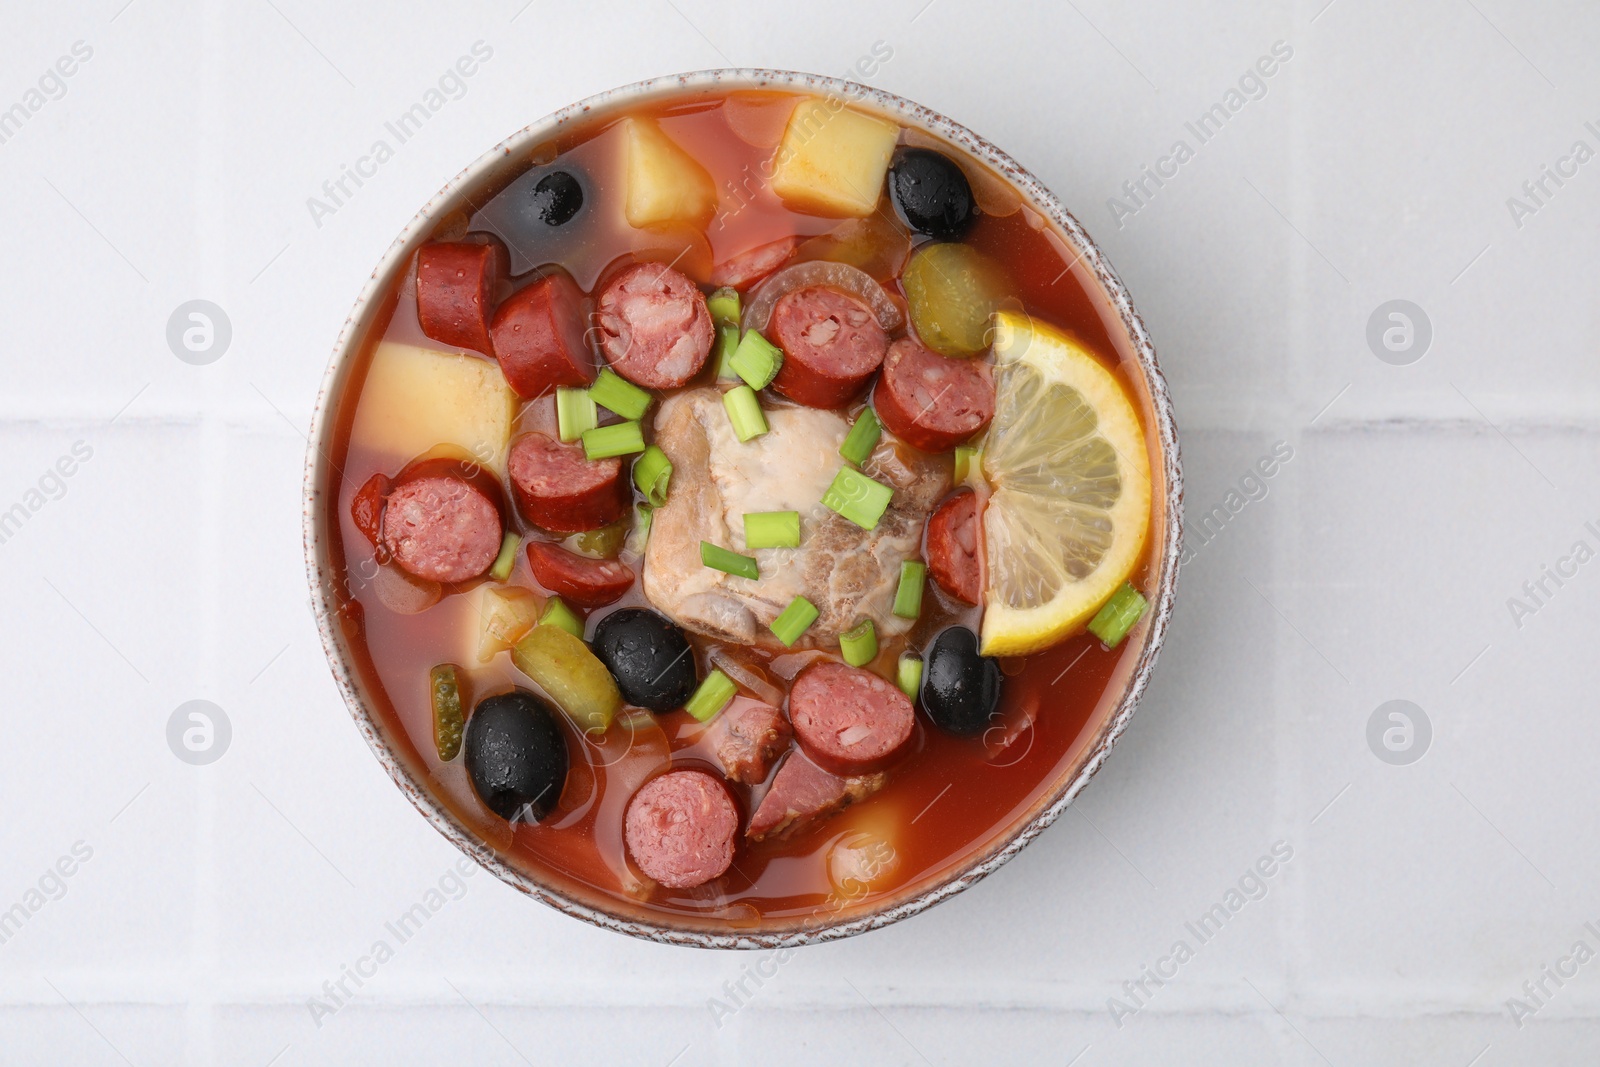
<point>324,419</point>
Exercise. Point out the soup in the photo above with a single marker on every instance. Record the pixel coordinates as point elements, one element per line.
<point>745,508</point>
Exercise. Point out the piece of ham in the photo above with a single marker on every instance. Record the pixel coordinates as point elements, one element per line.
<point>802,793</point>
<point>746,738</point>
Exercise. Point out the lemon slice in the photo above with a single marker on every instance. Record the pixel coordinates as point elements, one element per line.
<point>1070,506</point>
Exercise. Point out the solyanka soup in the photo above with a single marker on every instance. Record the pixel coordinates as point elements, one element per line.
<point>741,510</point>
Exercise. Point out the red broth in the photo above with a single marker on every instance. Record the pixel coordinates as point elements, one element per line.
<point>949,800</point>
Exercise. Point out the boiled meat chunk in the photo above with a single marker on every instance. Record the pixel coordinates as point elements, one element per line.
<point>847,572</point>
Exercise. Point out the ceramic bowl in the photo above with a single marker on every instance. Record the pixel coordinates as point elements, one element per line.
<point>509,156</point>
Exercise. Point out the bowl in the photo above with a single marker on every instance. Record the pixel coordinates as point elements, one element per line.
<point>1166,520</point>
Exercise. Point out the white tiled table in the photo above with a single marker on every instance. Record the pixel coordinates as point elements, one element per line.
<point>1419,498</point>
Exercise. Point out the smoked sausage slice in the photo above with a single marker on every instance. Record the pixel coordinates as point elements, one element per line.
<point>366,508</point>
<point>539,337</point>
<point>456,284</point>
<point>654,328</point>
<point>953,547</point>
<point>832,343</point>
<point>586,582</point>
<point>680,828</point>
<point>848,719</point>
<point>749,267</point>
<point>930,401</point>
<point>441,527</point>
<point>559,488</point>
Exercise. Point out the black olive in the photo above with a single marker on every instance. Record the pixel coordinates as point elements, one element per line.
<point>557,198</point>
<point>516,755</point>
<point>961,689</point>
<point>649,657</point>
<point>931,193</point>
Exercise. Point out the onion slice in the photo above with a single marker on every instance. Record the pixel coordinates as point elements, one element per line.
<point>841,276</point>
<point>746,674</point>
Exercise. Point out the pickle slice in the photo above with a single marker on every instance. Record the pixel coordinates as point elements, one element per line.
<point>449,721</point>
<point>953,291</point>
<point>570,675</point>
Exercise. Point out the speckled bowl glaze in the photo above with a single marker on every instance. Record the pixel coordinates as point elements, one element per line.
<point>709,933</point>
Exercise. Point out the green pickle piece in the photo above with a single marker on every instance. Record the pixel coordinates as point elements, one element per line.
<point>604,543</point>
<point>570,675</point>
<point>952,291</point>
<point>449,720</point>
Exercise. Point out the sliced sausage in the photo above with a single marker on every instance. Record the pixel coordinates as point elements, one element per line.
<point>930,401</point>
<point>749,267</point>
<point>746,738</point>
<point>539,337</point>
<point>849,719</point>
<point>832,343</point>
<point>559,488</point>
<point>953,547</point>
<point>654,328</point>
<point>803,793</point>
<point>441,527</point>
<point>366,508</point>
<point>456,286</point>
<point>680,828</point>
<point>586,582</point>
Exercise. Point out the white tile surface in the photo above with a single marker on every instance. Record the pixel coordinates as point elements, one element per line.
<point>217,900</point>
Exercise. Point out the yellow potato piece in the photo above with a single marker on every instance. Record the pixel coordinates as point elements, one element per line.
<point>665,184</point>
<point>416,399</point>
<point>832,159</point>
<point>501,616</point>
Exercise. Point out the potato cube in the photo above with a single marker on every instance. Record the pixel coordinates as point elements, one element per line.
<point>832,159</point>
<point>416,399</point>
<point>501,616</point>
<point>665,184</point>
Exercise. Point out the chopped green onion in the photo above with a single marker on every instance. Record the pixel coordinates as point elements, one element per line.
<point>575,413</point>
<point>965,454</point>
<point>727,344</point>
<point>756,360</point>
<point>618,439</point>
<point>772,529</point>
<point>910,675</point>
<point>1113,621</point>
<point>507,557</point>
<point>862,438</point>
<point>858,498</point>
<point>557,614</point>
<point>724,306</point>
<point>744,411</point>
<point>859,644</point>
<point>615,393</point>
<point>793,621</point>
<point>652,472</point>
<point>908,595</point>
<point>711,697</point>
<point>444,691</point>
<point>730,562</point>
